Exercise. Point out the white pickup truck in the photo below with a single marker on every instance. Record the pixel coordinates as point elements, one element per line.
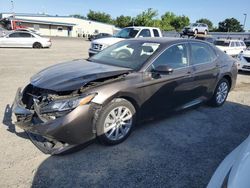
<point>126,33</point>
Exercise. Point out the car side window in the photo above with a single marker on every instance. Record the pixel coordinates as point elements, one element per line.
<point>232,44</point>
<point>25,35</point>
<point>242,43</point>
<point>238,44</point>
<point>156,33</point>
<point>14,35</point>
<point>201,53</point>
<point>175,57</point>
<point>145,33</point>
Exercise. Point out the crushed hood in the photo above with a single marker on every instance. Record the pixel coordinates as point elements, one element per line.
<point>72,75</point>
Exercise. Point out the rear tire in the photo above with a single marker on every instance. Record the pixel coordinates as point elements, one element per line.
<point>115,122</point>
<point>220,93</point>
<point>205,32</point>
<point>37,45</point>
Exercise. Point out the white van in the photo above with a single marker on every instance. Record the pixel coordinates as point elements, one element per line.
<point>230,46</point>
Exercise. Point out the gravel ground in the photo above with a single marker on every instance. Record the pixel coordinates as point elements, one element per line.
<point>180,150</point>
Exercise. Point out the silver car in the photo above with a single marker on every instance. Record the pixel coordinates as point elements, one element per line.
<point>24,39</point>
<point>196,28</point>
<point>234,171</point>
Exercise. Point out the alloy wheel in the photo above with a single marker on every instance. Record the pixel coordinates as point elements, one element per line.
<point>222,92</point>
<point>118,123</point>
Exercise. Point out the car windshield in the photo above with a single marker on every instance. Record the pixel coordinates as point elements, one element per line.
<point>128,54</point>
<point>194,25</point>
<point>127,33</point>
<point>221,43</point>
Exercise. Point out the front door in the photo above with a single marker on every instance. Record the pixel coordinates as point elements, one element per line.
<point>165,91</point>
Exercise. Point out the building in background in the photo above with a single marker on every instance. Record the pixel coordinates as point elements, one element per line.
<point>65,26</point>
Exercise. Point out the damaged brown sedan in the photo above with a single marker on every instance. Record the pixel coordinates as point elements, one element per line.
<point>72,103</point>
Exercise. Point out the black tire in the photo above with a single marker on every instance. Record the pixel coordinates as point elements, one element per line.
<point>104,113</point>
<point>37,45</point>
<point>214,100</point>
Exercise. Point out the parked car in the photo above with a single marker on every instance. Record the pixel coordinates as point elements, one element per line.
<point>24,39</point>
<point>244,60</point>
<point>99,36</point>
<point>29,30</point>
<point>247,43</point>
<point>195,28</point>
<point>234,172</point>
<point>126,33</point>
<point>72,103</point>
<point>231,47</point>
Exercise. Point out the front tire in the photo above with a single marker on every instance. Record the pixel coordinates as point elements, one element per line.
<point>116,121</point>
<point>220,93</point>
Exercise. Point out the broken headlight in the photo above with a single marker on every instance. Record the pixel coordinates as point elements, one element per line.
<point>66,104</point>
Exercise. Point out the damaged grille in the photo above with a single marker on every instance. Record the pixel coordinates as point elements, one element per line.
<point>35,98</point>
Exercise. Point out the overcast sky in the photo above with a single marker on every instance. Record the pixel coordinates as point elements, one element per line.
<point>215,10</point>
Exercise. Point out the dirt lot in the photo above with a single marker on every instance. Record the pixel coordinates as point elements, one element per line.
<point>181,150</point>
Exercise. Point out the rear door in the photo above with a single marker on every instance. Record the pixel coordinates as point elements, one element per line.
<point>204,64</point>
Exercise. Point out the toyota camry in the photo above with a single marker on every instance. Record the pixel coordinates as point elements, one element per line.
<point>103,97</point>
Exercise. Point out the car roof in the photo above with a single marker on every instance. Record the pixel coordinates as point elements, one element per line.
<point>16,31</point>
<point>142,27</point>
<point>229,40</point>
<point>165,40</point>
<point>22,32</point>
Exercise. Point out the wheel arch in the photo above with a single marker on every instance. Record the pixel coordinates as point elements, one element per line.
<point>99,107</point>
<point>229,79</point>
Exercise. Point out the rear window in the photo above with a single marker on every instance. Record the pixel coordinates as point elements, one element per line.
<point>221,43</point>
<point>201,53</point>
<point>242,43</point>
<point>156,33</point>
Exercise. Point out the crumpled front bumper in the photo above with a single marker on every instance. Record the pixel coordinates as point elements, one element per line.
<point>74,128</point>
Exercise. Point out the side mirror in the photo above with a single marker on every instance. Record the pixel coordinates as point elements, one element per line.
<point>163,69</point>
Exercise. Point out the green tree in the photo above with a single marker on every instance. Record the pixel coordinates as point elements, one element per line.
<point>146,18</point>
<point>230,25</point>
<point>99,16</point>
<point>206,21</point>
<point>123,21</point>
<point>166,20</point>
<point>179,22</point>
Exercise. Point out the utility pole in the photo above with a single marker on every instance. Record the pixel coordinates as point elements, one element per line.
<point>244,21</point>
<point>12,8</point>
